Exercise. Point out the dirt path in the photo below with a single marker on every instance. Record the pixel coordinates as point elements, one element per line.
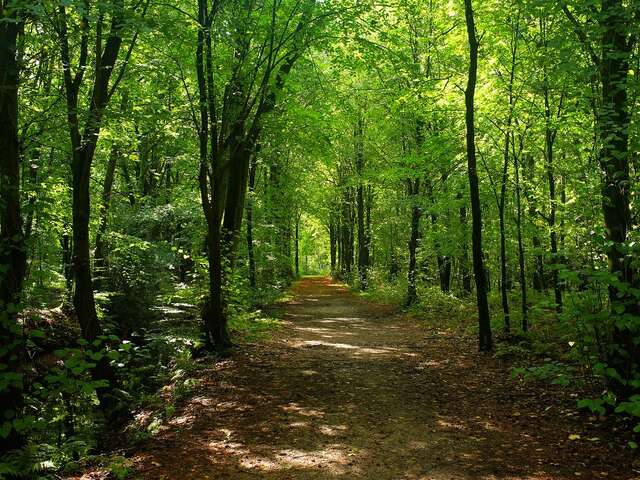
<point>349,389</point>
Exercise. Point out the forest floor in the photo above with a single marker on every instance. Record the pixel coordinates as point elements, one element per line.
<point>351,389</point>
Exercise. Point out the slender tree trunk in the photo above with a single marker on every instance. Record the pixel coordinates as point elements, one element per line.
<point>250,250</point>
<point>504,179</point>
<point>503,260</point>
<point>549,140</point>
<point>31,205</point>
<point>126,175</point>
<point>67,260</point>
<point>333,243</point>
<point>363,242</point>
<point>107,189</point>
<point>485,341</point>
<point>346,235</point>
<point>297,246</point>
<point>521,257</point>
<point>528,176</point>
<point>413,188</point>
<point>367,227</point>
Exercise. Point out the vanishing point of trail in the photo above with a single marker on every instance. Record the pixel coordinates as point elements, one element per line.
<point>351,389</point>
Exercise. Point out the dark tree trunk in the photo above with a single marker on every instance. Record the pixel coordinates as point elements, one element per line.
<point>444,262</point>
<point>503,261</point>
<point>31,205</point>
<point>333,243</point>
<point>214,313</point>
<point>363,240</point>
<point>297,246</point>
<point>613,126</point>
<point>549,140</point>
<point>250,250</point>
<point>504,287</point>
<point>84,146</point>
<point>367,226</point>
<point>83,298</point>
<point>346,235</point>
<point>485,341</point>
<point>126,175</point>
<point>12,247</point>
<point>521,257</point>
<point>67,260</point>
<point>413,190</point>
<point>528,176</point>
<point>107,190</point>
<point>444,273</point>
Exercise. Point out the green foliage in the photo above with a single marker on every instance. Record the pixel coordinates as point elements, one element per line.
<point>390,71</point>
<point>134,280</point>
<point>555,373</point>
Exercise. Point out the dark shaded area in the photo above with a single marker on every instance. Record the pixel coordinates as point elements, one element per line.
<point>352,389</point>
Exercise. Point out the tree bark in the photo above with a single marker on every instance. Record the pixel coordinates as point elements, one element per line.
<point>484,335</point>
<point>363,240</point>
<point>12,245</point>
<point>297,246</point>
<point>521,253</point>
<point>250,248</point>
<point>613,125</point>
<point>549,140</point>
<point>107,189</point>
<point>333,243</point>
<point>413,190</point>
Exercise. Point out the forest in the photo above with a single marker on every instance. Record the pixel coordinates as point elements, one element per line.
<point>292,238</point>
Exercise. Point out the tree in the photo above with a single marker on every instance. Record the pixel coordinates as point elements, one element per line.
<point>84,142</point>
<point>485,341</point>
<point>229,132</point>
<point>13,255</point>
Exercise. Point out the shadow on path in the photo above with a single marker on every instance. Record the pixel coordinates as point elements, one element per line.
<point>350,389</point>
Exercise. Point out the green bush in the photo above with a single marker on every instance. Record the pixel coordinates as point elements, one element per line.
<point>135,268</point>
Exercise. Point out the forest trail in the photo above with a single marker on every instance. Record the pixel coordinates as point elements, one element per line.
<point>350,389</point>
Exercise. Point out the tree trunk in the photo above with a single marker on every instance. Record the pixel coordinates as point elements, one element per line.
<point>346,236</point>
<point>521,257</point>
<point>126,175</point>
<point>107,190</point>
<point>250,250</point>
<point>297,246</point>
<point>83,146</point>
<point>363,241</point>
<point>413,190</point>
<point>484,335</point>
<point>67,260</point>
<point>549,140</point>
<point>12,246</point>
<point>613,126</point>
<point>333,243</point>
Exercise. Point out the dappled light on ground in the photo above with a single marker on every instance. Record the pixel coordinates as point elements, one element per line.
<point>352,390</point>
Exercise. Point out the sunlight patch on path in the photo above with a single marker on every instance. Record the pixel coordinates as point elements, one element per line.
<point>337,459</point>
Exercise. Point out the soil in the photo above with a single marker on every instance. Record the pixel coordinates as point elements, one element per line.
<point>349,389</point>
